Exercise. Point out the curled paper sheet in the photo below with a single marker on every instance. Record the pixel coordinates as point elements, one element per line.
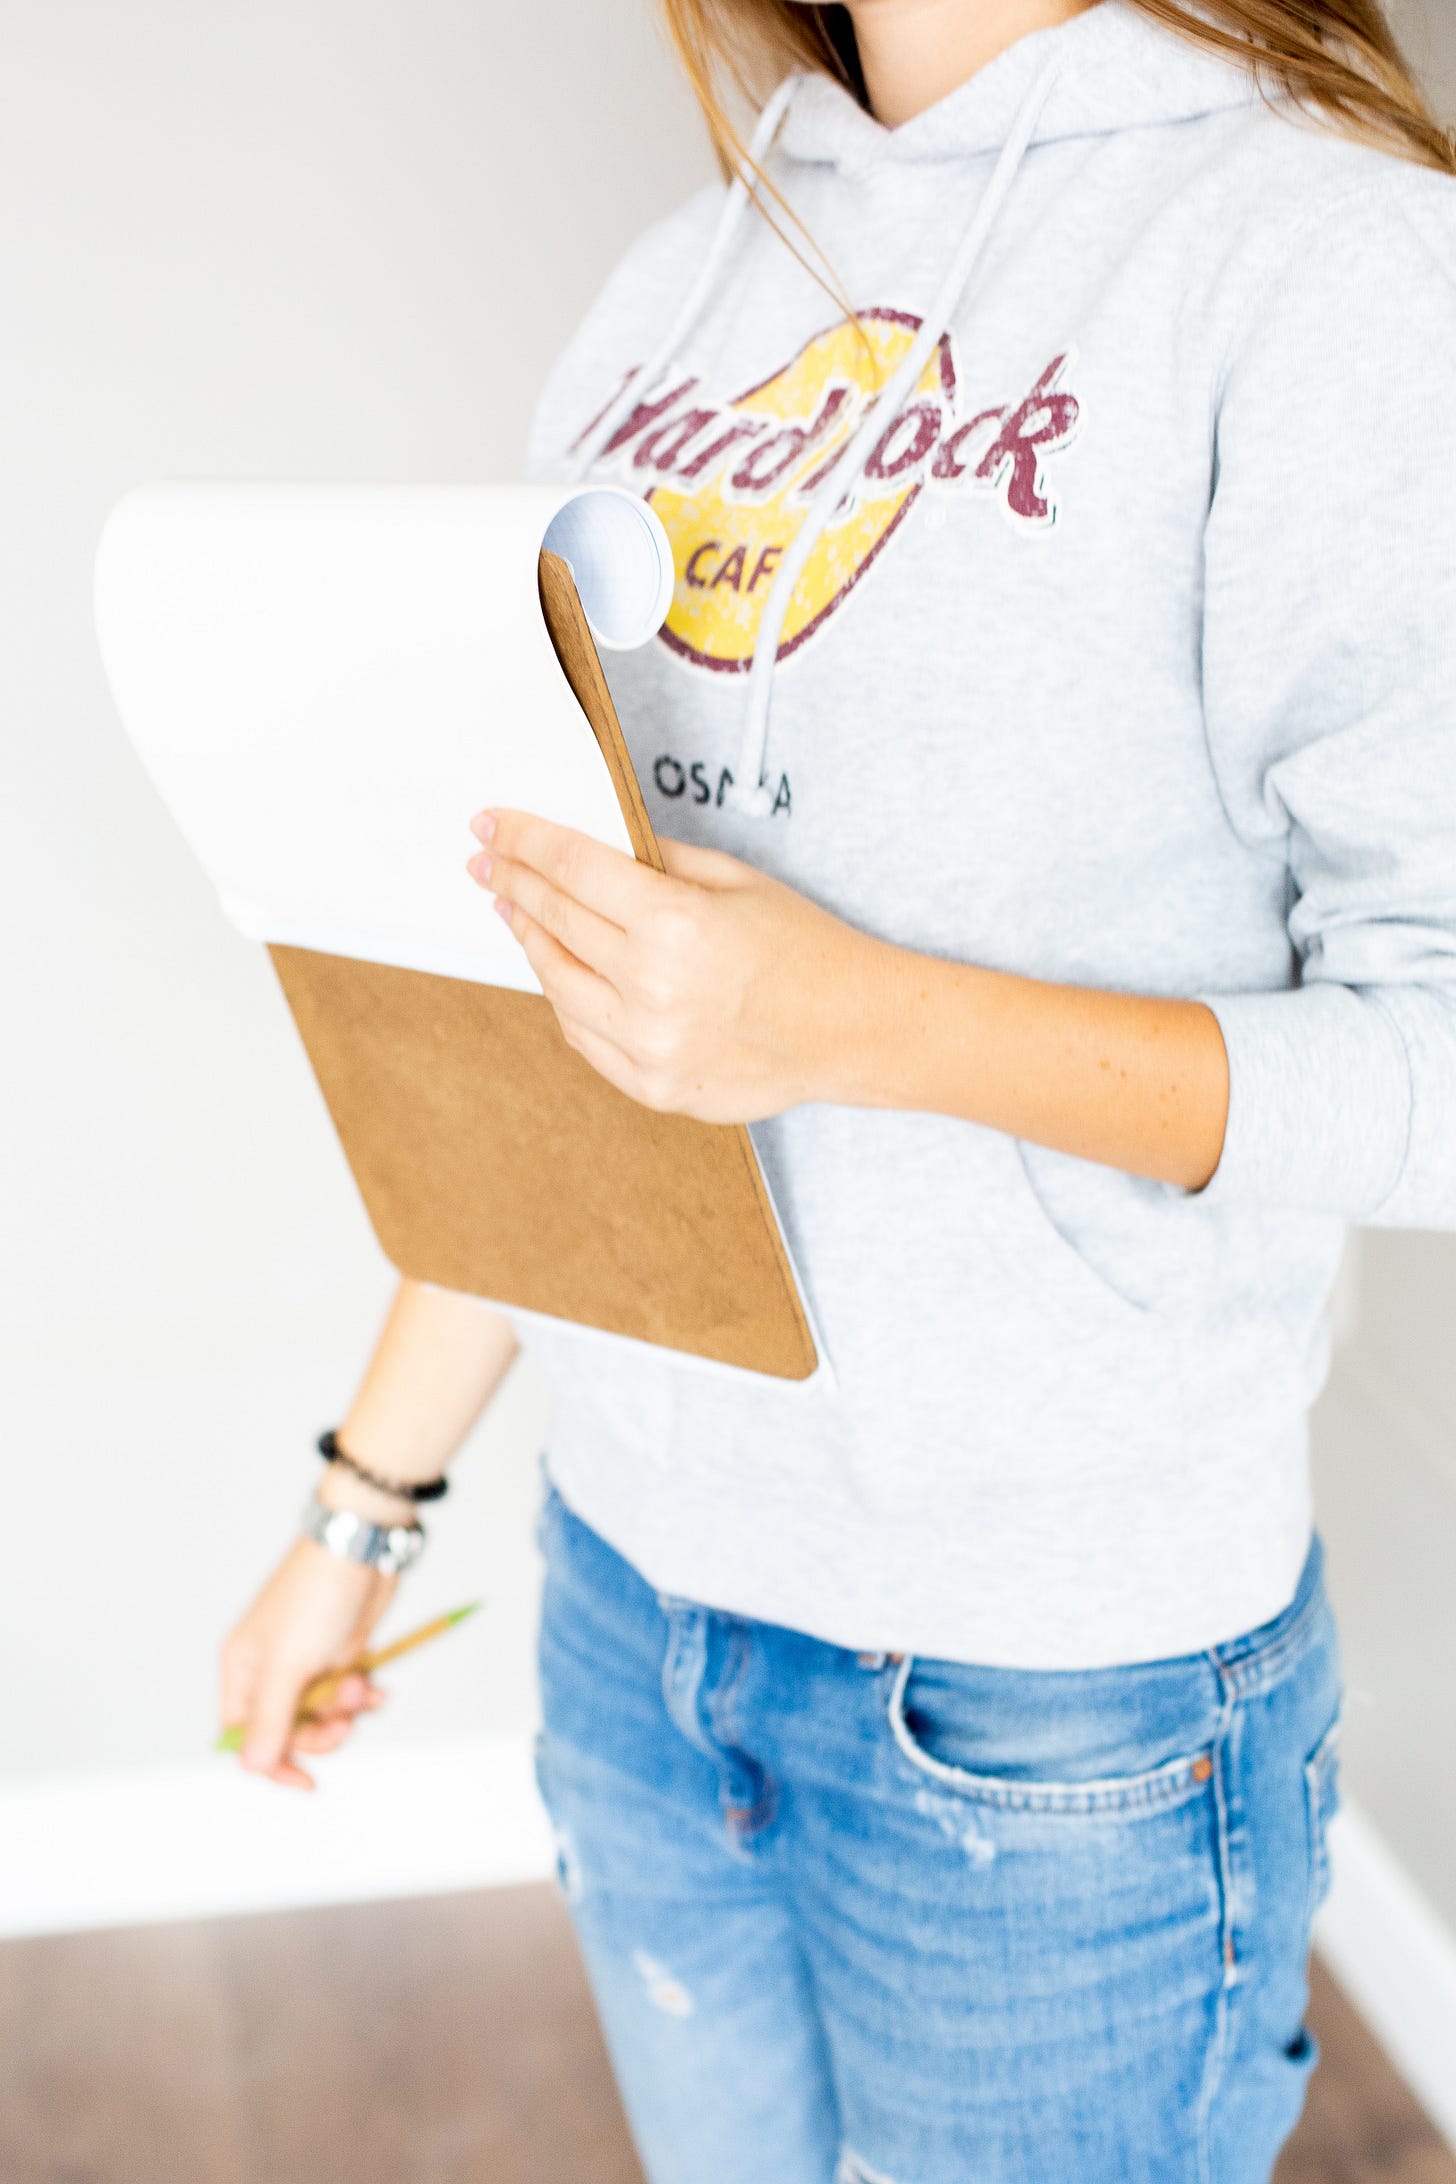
<point>325,682</point>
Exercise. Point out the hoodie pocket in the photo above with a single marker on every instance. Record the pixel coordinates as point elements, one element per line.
<point>1044,1252</point>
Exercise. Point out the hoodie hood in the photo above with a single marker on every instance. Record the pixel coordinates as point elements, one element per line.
<point>1116,69</point>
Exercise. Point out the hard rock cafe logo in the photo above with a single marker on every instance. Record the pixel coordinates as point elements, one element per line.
<point>733,481</point>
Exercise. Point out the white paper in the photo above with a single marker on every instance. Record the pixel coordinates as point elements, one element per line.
<point>325,683</point>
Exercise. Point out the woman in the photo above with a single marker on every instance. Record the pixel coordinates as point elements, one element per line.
<point>941,1752</point>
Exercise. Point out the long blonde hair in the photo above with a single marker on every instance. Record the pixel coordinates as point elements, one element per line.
<point>1339,59</point>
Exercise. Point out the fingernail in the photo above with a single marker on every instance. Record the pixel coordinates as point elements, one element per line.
<point>503,907</point>
<point>482,826</point>
<point>479,867</point>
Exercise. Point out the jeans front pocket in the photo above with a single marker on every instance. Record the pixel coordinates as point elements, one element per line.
<point>1071,1823</point>
<point>1129,1791</point>
<point>1322,1802</point>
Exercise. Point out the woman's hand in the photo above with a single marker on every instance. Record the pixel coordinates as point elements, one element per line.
<point>708,990</point>
<point>315,1613</point>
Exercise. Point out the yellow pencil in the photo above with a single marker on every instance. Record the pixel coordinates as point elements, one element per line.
<point>315,1695</point>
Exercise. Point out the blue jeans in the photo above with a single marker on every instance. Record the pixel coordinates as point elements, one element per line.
<point>851,1919</point>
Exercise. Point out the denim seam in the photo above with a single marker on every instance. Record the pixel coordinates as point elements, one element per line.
<point>1216,2058</point>
<point>1153,1791</point>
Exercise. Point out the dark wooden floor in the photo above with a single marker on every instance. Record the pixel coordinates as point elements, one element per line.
<point>448,2040</point>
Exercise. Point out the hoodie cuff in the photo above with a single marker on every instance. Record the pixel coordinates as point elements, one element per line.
<point>1320,1101</point>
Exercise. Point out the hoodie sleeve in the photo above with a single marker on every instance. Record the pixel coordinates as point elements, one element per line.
<point>1329,649</point>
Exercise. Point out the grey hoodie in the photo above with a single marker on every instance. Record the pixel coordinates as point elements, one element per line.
<point>1115,645</point>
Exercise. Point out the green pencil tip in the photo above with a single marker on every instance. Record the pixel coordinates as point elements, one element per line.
<point>458,1615</point>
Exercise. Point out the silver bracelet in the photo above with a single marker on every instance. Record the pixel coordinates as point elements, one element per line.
<point>388,1548</point>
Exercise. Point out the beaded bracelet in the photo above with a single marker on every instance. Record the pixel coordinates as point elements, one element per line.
<point>415,1490</point>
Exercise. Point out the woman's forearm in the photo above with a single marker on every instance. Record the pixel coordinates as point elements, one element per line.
<point>713,990</point>
<point>1136,1082</point>
<point>438,1361</point>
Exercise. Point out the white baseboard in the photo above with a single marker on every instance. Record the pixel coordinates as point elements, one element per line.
<point>203,1840</point>
<point>1396,1960</point>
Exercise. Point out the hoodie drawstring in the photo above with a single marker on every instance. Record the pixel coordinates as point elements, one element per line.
<point>747,791</point>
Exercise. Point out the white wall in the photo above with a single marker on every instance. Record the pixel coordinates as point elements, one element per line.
<point>306,239</point>
<point>329,240</point>
<point>1385,1479</point>
<point>1385,1458</point>
<point>1427,31</point>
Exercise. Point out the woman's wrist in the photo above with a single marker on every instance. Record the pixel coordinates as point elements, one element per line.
<point>339,1488</point>
<point>860,1024</point>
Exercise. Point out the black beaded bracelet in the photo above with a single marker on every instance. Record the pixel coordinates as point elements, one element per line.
<point>415,1490</point>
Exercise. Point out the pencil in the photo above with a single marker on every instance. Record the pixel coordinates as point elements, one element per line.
<point>316,1694</point>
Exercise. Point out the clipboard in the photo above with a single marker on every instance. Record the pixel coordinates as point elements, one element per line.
<point>493,1160</point>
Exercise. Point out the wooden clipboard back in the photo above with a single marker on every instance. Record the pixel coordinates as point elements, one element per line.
<point>493,1159</point>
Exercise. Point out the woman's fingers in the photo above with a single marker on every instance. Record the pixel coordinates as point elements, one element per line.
<point>319,1733</point>
<point>352,1694</point>
<point>704,867</point>
<point>605,1057</point>
<point>572,989</point>
<point>290,1776</point>
<point>584,933</point>
<point>322,1736</point>
<point>327,1730</point>
<point>270,1723</point>
<point>610,881</point>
